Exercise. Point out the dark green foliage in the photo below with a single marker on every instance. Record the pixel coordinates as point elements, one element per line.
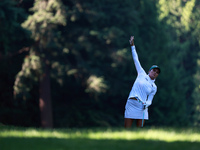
<point>13,39</point>
<point>91,67</point>
<point>196,42</point>
<point>182,55</point>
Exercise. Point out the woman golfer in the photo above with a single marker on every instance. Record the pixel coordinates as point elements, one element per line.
<point>142,92</point>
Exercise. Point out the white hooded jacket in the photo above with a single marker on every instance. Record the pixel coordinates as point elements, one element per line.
<point>144,87</point>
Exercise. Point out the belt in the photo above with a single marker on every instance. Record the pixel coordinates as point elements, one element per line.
<point>133,98</point>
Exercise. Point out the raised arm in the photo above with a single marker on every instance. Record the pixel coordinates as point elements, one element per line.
<point>135,57</point>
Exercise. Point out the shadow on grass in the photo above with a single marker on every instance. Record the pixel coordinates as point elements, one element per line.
<point>13,143</point>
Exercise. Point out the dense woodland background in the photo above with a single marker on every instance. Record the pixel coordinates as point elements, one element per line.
<point>67,63</point>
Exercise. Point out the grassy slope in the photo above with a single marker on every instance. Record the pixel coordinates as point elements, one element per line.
<point>13,138</point>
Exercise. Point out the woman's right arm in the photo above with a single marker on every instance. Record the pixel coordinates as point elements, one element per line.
<point>135,57</point>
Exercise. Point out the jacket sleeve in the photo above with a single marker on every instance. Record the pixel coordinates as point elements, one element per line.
<point>150,98</point>
<point>138,66</point>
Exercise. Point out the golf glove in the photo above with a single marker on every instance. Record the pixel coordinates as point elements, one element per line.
<point>144,106</point>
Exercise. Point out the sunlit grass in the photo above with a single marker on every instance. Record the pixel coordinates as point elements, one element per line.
<point>151,138</point>
<point>158,134</point>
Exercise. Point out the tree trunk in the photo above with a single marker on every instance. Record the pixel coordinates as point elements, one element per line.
<point>45,99</point>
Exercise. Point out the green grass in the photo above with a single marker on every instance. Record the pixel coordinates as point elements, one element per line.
<point>151,138</point>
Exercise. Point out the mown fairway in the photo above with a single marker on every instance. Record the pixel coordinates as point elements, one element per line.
<point>148,138</point>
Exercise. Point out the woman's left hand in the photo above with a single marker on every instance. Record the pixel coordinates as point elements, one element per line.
<point>131,40</point>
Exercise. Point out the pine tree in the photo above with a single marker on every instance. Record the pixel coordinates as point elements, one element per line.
<point>43,24</point>
<point>196,40</point>
<point>176,17</point>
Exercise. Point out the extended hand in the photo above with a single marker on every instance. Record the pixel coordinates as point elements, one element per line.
<point>131,40</point>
